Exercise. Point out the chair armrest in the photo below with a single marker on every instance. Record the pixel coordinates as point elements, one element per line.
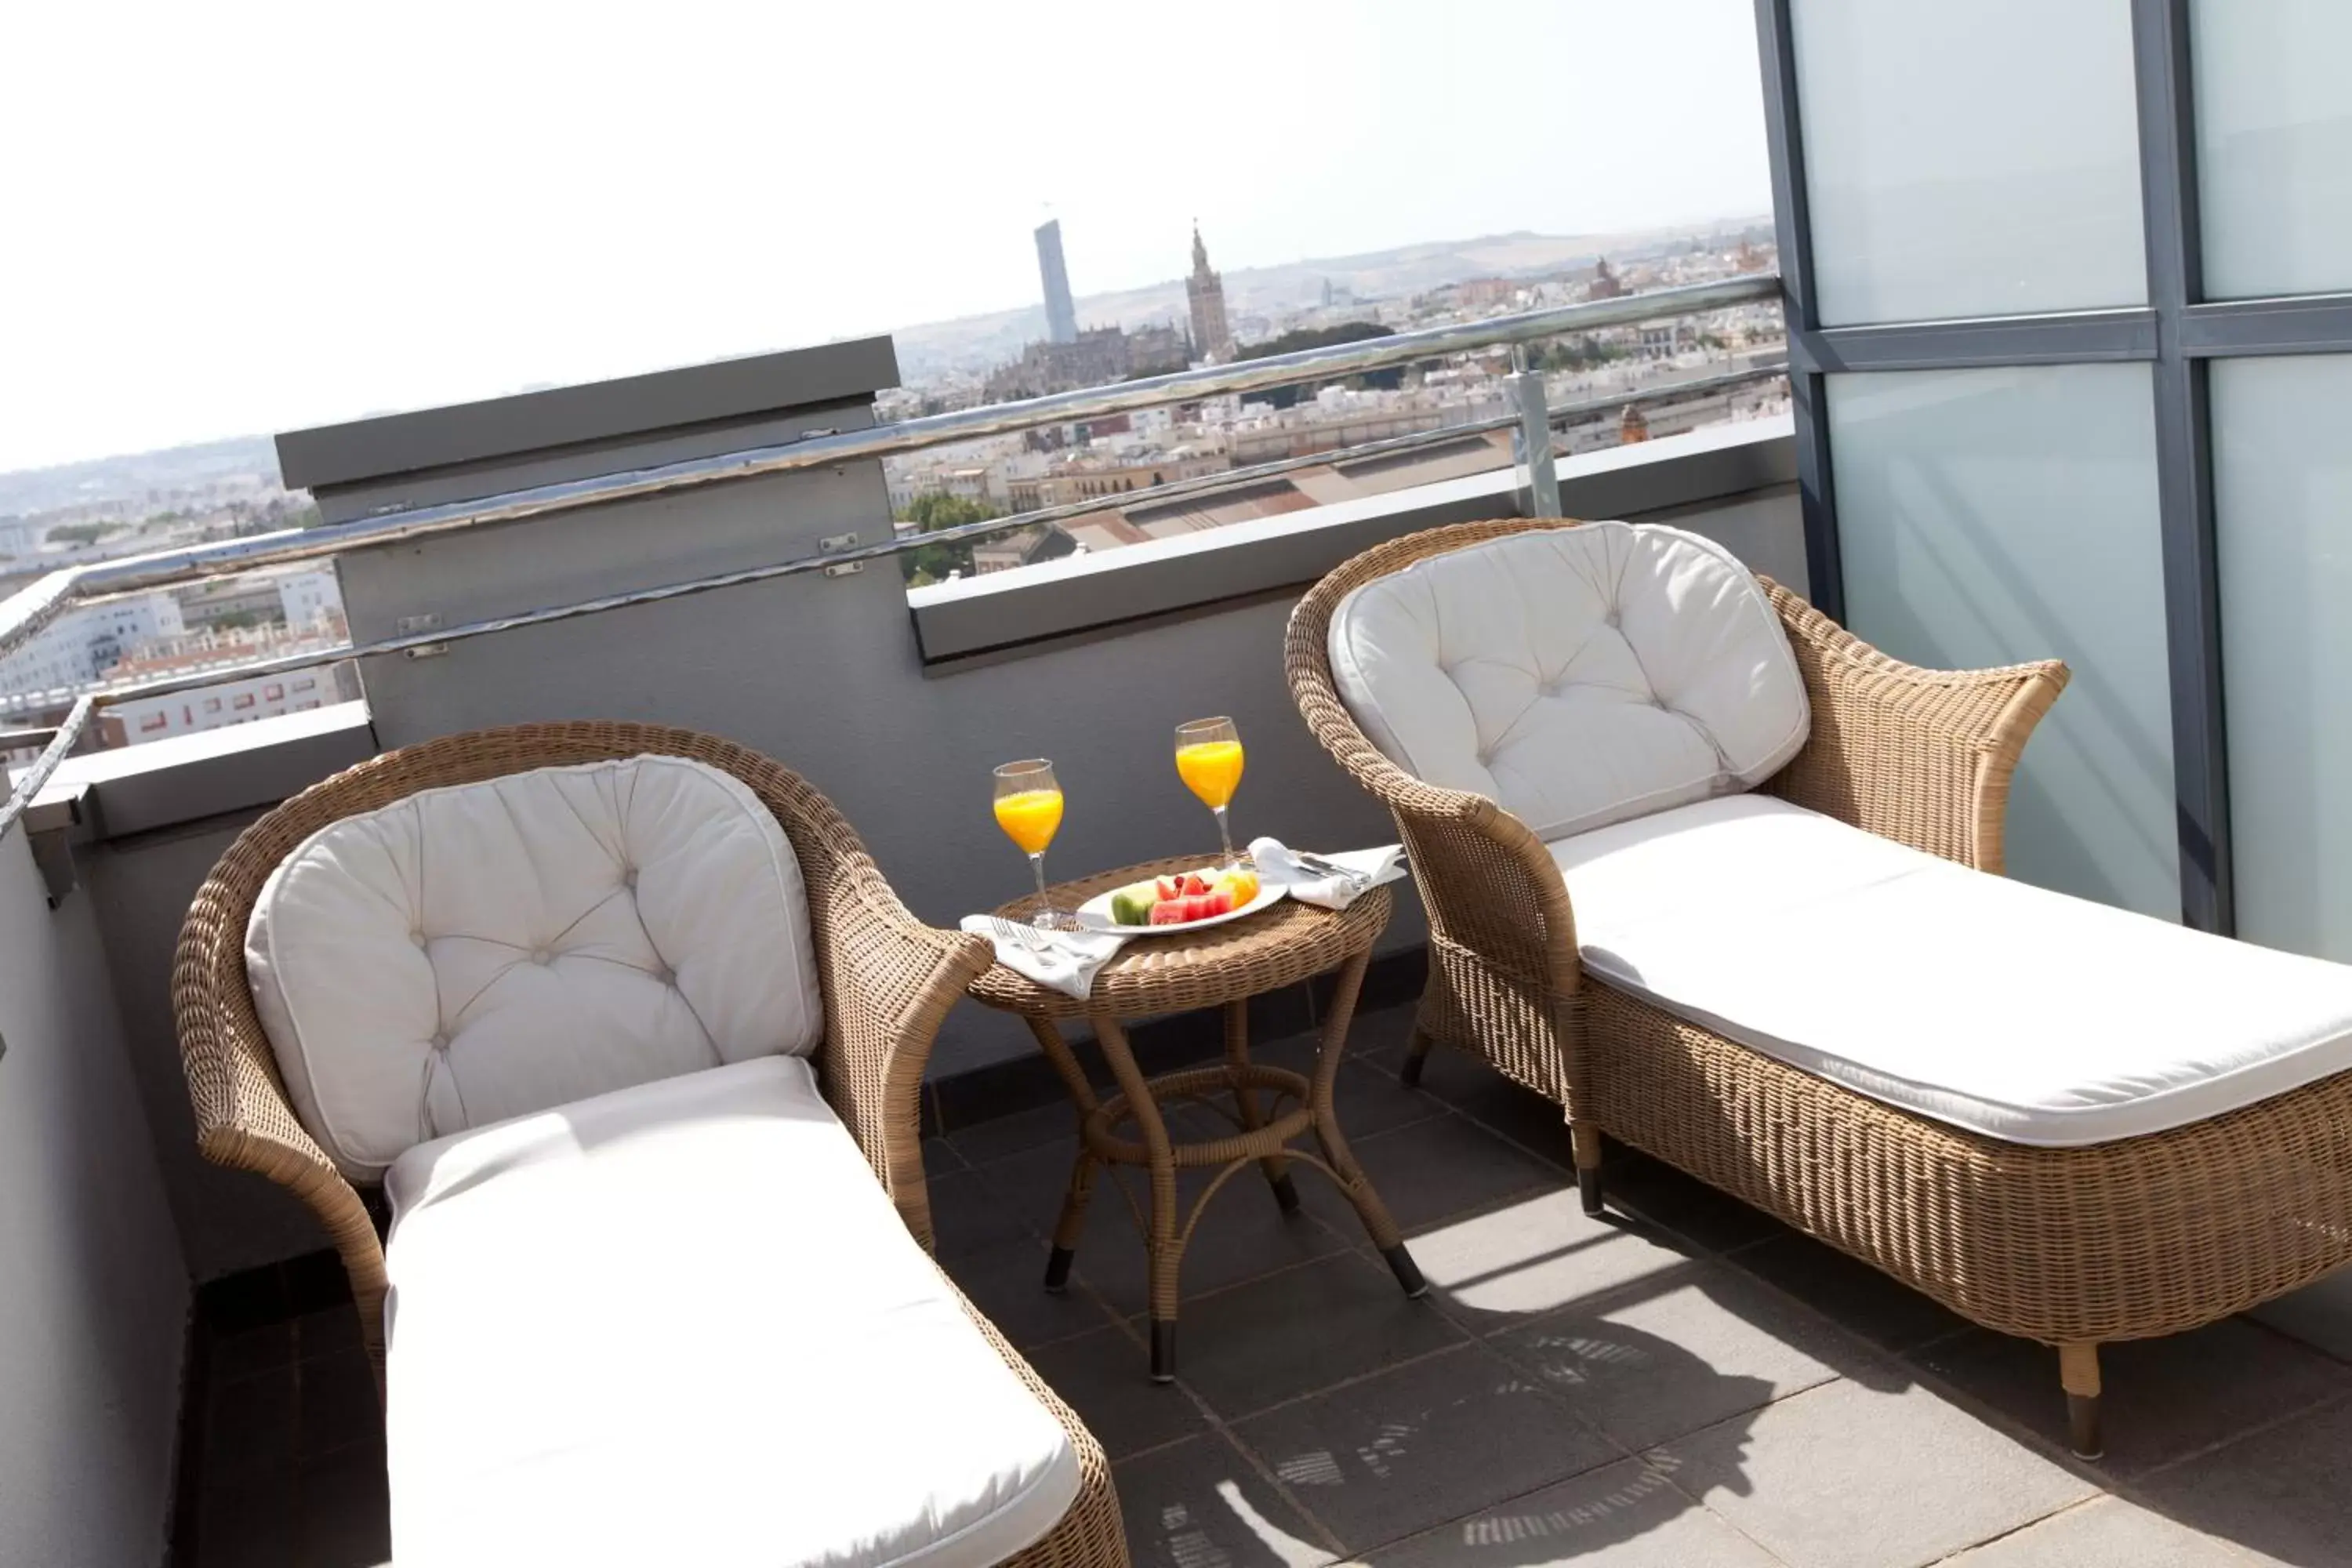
<point>242,1119</point>
<point>888,982</point>
<point>1491,890</point>
<point>1922,756</point>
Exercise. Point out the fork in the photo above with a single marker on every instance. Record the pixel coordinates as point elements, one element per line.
<point>1028,937</point>
<point>1330,867</point>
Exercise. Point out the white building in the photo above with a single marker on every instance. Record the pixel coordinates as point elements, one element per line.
<point>312,598</point>
<point>19,538</point>
<point>84,643</point>
<point>232,701</point>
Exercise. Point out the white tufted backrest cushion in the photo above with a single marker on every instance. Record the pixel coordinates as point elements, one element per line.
<point>489,950</point>
<point>1577,676</point>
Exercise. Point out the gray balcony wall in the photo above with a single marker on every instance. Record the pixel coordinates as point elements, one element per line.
<point>823,673</point>
<point>93,1293</point>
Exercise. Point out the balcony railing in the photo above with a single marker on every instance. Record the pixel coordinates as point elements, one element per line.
<point>23,615</point>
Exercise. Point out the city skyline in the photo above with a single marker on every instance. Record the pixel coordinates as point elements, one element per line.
<point>241,280</point>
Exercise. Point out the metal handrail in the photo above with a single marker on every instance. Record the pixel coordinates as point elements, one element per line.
<point>37,777</point>
<point>819,448</point>
<point>440,637</point>
<point>23,615</point>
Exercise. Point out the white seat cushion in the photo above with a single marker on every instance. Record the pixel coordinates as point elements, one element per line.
<point>681,1324</point>
<point>472,953</point>
<point>1578,675</point>
<point>2008,1010</point>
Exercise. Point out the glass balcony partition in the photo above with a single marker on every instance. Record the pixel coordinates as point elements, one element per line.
<point>2064,348</point>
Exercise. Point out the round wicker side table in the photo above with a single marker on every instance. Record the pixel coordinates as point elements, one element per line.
<point>1223,966</point>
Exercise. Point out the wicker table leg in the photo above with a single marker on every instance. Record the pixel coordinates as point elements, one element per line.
<point>1278,1170</point>
<point>1072,1221</point>
<point>1166,1248</point>
<point>1354,1182</point>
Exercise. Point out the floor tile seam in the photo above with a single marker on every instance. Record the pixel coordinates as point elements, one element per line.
<point>1331,1537</point>
<point>1497,1133</point>
<point>1543,1390</point>
<point>1351,1380</point>
<point>1634,1208</point>
<point>1120,1323</point>
<point>2322,1352</point>
<point>1601,1302</point>
<point>1502,1502</point>
<point>2041,1440</point>
<point>1696,1503</point>
<point>1110,1321</point>
<point>1211,1422</point>
<point>1674,1479</point>
<point>1485,1208</point>
<point>1948,1337</point>
<point>1186,1300</point>
<point>1702,1430</point>
<point>1869,1350</point>
<point>2259,1428</point>
<point>2044,1440</point>
<point>1831,1375</point>
<point>2092,1501</point>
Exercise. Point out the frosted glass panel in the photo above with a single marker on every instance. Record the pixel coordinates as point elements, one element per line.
<point>1978,159</point>
<point>2274,145</point>
<point>2283,517</point>
<point>1991,516</point>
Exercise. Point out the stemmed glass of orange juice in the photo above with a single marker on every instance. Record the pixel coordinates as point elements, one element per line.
<point>1029,809</point>
<point>1209,761</point>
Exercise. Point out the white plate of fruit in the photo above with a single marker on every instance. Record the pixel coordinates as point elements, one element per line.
<point>1188,900</point>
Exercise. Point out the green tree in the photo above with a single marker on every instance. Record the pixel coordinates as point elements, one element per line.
<point>930,514</point>
<point>1318,338</point>
<point>85,533</point>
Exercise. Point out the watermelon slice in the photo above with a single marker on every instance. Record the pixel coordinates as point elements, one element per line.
<point>1167,912</point>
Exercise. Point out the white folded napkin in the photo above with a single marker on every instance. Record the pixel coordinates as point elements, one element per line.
<point>1358,871</point>
<point>1067,960</point>
<point>1064,961</point>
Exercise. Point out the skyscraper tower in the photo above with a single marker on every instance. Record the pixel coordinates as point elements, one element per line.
<point>1211,338</point>
<point>1061,315</point>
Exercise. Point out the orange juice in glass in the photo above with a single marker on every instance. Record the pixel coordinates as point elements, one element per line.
<point>1029,809</point>
<point>1209,761</point>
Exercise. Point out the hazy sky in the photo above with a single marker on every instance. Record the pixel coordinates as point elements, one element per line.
<point>226,218</point>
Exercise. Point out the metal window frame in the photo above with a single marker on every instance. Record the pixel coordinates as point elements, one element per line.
<point>2177,333</point>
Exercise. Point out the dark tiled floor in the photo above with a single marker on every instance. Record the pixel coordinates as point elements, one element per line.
<point>1682,1383</point>
<point>283,1451</point>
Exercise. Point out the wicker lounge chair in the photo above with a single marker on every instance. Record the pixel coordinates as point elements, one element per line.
<point>2123,1237</point>
<point>886,982</point>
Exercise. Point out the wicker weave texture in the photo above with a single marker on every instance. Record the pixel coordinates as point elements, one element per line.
<point>2141,1236</point>
<point>1286,943</point>
<point>1221,966</point>
<point>888,979</point>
